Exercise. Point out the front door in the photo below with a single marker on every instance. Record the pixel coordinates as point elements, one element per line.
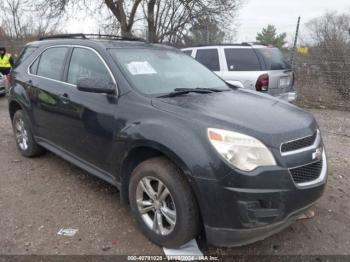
<point>90,122</point>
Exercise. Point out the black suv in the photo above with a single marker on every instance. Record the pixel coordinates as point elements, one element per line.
<point>189,152</point>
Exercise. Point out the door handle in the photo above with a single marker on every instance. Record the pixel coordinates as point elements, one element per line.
<point>64,98</point>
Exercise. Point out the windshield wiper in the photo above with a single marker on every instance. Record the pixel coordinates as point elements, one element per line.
<point>183,91</point>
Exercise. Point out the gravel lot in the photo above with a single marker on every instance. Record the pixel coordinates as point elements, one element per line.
<point>40,196</point>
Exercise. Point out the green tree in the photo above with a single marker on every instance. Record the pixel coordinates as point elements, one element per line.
<point>269,36</point>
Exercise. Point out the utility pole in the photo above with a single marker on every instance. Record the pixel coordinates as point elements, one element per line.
<point>294,51</point>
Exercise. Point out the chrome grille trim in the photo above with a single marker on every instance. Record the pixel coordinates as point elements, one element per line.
<point>297,151</point>
<point>321,178</point>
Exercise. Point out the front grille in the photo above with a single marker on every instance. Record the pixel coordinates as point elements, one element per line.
<point>306,173</point>
<point>298,144</point>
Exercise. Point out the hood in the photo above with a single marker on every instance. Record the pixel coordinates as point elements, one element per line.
<point>271,120</point>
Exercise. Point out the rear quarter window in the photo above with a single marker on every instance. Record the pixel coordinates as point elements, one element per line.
<point>242,59</point>
<point>26,52</point>
<point>274,59</point>
<point>209,58</point>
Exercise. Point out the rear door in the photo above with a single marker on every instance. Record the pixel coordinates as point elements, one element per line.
<point>242,65</point>
<point>45,81</point>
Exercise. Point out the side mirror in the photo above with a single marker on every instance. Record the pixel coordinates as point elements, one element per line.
<point>93,85</point>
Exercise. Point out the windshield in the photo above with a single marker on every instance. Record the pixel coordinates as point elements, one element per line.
<point>157,72</point>
<point>274,59</point>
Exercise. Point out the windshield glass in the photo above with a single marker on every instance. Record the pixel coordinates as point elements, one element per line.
<point>274,59</point>
<point>157,72</point>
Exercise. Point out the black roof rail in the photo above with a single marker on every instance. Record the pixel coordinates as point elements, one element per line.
<point>91,36</point>
<point>254,43</point>
<point>222,44</point>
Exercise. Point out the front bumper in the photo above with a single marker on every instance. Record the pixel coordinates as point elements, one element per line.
<point>227,237</point>
<point>243,208</point>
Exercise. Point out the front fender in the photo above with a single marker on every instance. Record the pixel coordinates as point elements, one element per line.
<point>183,142</point>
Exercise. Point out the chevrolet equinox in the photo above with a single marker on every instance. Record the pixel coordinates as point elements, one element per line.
<point>188,152</point>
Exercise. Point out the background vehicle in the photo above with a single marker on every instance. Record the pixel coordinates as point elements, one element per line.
<point>186,151</point>
<point>2,85</point>
<point>252,66</point>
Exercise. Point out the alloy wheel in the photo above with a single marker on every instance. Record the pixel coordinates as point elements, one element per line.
<point>21,135</point>
<point>156,205</point>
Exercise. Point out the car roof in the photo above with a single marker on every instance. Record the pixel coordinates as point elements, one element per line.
<point>240,45</point>
<point>102,42</point>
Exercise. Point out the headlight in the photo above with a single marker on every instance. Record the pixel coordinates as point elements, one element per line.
<point>241,151</point>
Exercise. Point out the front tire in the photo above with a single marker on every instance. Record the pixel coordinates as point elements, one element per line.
<point>163,204</point>
<point>24,136</point>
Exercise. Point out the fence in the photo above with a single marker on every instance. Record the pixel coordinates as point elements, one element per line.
<point>323,78</point>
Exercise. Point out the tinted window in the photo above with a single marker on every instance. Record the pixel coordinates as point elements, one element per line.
<point>187,52</point>
<point>86,64</point>
<point>52,63</point>
<point>209,58</point>
<point>26,52</point>
<point>242,59</point>
<point>274,59</point>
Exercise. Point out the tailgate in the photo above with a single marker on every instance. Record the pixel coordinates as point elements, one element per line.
<point>280,81</point>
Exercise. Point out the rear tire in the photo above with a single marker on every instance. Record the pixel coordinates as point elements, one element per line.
<point>24,137</point>
<point>172,208</point>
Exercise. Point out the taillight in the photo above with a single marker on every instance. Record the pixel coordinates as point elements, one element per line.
<point>262,84</point>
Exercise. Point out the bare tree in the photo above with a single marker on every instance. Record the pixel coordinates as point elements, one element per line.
<point>166,20</point>
<point>19,19</point>
<point>205,31</point>
<point>123,12</point>
<point>330,44</point>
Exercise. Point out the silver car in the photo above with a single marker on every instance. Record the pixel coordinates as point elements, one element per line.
<point>251,66</point>
<point>2,85</point>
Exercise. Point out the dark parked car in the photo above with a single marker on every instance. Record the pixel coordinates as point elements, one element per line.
<point>188,152</point>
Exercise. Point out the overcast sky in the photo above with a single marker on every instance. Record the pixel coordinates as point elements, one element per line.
<point>256,14</point>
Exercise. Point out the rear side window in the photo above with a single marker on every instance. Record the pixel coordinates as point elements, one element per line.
<point>187,52</point>
<point>274,59</point>
<point>209,58</point>
<point>26,52</point>
<point>86,64</point>
<point>51,63</point>
<point>242,59</point>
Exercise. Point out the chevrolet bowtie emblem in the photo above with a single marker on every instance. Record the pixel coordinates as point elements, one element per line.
<point>317,154</point>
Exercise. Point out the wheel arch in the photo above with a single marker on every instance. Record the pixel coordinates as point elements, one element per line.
<point>142,152</point>
<point>14,106</point>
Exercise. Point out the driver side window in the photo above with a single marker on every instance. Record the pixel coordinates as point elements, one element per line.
<point>86,64</point>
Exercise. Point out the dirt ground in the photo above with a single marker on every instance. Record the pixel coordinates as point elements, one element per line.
<point>40,196</point>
